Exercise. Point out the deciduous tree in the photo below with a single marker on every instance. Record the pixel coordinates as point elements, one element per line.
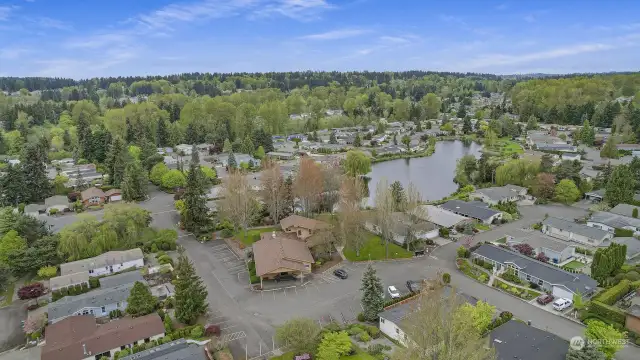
<point>308,185</point>
<point>357,163</point>
<point>334,345</point>
<point>239,203</point>
<point>301,335</point>
<point>621,185</point>
<point>543,186</point>
<point>607,339</point>
<point>567,192</point>
<point>134,183</point>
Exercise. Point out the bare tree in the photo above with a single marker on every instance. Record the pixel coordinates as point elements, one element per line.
<point>308,184</point>
<point>239,203</point>
<point>415,210</point>
<point>273,189</point>
<point>384,209</point>
<point>437,329</point>
<point>331,180</point>
<point>351,217</point>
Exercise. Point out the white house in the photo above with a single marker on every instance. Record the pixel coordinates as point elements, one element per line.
<point>571,231</point>
<point>571,156</point>
<point>391,321</point>
<point>184,148</point>
<point>556,250</point>
<point>98,303</point>
<point>107,263</point>
<point>495,195</point>
<point>608,221</point>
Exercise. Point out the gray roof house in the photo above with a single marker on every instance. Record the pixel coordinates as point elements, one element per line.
<point>121,279</point>
<point>596,195</point>
<point>550,278</point>
<point>441,217</point>
<point>517,340</point>
<point>624,210</point>
<point>100,261</point>
<point>64,281</point>
<point>571,231</point>
<point>96,302</point>
<point>609,221</point>
<point>556,147</point>
<point>472,210</point>
<point>174,350</point>
<point>58,202</point>
<point>633,245</point>
<point>498,194</point>
<point>556,250</point>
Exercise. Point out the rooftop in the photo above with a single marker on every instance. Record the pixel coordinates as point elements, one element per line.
<point>442,217</point>
<point>469,209</point>
<point>614,220</point>
<point>303,222</point>
<point>624,210</point>
<point>549,273</point>
<point>277,250</point>
<point>517,340</point>
<point>108,258</point>
<point>501,193</point>
<point>121,279</point>
<point>175,350</point>
<point>580,229</point>
<point>540,240</point>
<point>67,280</point>
<point>93,299</point>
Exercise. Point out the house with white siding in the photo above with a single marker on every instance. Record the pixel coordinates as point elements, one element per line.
<point>571,231</point>
<point>107,263</point>
<point>608,221</point>
<point>98,303</point>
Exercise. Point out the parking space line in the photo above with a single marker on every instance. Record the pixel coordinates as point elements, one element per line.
<point>220,247</point>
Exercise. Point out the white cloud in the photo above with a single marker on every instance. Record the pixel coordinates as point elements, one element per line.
<point>50,23</point>
<point>336,34</point>
<point>99,40</point>
<point>5,11</point>
<point>12,53</point>
<point>195,11</point>
<point>301,10</point>
<point>395,39</point>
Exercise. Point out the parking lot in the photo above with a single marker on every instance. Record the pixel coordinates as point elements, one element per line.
<point>231,262</point>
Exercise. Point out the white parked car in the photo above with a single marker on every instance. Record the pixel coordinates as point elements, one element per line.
<point>393,292</point>
<point>561,304</point>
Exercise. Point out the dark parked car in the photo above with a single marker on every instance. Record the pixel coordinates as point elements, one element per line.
<point>340,273</point>
<point>544,299</point>
<point>414,286</point>
<point>284,277</point>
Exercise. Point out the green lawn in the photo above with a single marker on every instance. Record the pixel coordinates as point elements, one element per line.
<point>376,248</point>
<point>574,265</point>
<point>509,148</point>
<point>483,227</point>
<point>359,356</point>
<point>252,235</point>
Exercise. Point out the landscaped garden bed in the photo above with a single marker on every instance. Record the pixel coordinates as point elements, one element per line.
<point>526,294</point>
<point>471,271</point>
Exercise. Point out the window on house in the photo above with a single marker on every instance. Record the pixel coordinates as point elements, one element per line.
<point>382,320</point>
<point>397,331</point>
<point>103,309</point>
<point>540,282</point>
<point>147,340</point>
<point>90,271</point>
<point>299,232</point>
<point>528,278</point>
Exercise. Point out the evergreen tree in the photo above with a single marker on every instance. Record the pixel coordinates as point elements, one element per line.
<point>466,126</point>
<point>231,161</point>
<point>195,201</point>
<point>83,129</point>
<point>100,141</point>
<point>134,183</point>
<point>12,190</point>
<point>532,123</point>
<point>191,135</point>
<point>287,208</point>
<point>140,301</point>
<point>395,139</point>
<point>588,352</point>
<point>116,162</point>
<point>332,138</point>
<point>247,145</point>
<point>80,183</point>
<point>226,148</point>
<point>162,133</point>
<point>35,181</point>
<point>418,126</point>
<point>610,149</point>
<point>587,133</point>
<point>620,187</point>
<point>357,142</point>
<point>130,133</point>
<point>66,140</point>
<point>398,195</point>
<point>462,111</point>
<point>372,294</point>
<point>191,294</point>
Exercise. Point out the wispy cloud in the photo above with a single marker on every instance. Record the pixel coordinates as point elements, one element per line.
<point>336,34</point>
<point>502,7</point>
<point>195,11</point>
<point>395,39</point>
<point>50,23</point>
<point>301,10</point>
<point>6,10</point>
<point>453,19</point>
<point>13,53</point>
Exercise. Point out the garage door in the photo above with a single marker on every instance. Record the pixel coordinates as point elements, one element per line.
<point>562,292</point>
<point>116,198</point>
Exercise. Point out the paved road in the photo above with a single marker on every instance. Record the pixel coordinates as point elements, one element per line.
<point>11,334</point>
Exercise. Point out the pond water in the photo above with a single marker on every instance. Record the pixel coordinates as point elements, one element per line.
<point>432,175</point>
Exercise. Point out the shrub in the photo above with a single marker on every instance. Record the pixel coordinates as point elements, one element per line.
<point>443,232</point>
<point>373,331</point>
<point>254,279</point>
<point>364,337</point>
<point>161,313</point>
<point>605,311</point>
<point>212,330</point>
<point>632,276</point>
<point>160,254</point>
<point>31,291</point>
<point>463,252</point>
<point>197,332</point>
<point>114,314</point>
<point>615,293</point>
<point>355,330</point>
<point>165,259</point>
<point>94,282</point>
<point>333,327</point>
<point>226,233</point>
<point>360,317</point>
<point>623,233</point>
<point>446,278</point>
<point>375,349</point>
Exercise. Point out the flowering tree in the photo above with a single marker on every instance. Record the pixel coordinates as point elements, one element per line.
<point>524,249</point>
<point>542,257</point>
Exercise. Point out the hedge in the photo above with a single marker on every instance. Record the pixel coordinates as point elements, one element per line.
<point>615,293</point>
<point>623,233</point>
<point>607,312</point>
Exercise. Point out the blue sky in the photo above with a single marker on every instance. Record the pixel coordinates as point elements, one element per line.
<point>90,38</point>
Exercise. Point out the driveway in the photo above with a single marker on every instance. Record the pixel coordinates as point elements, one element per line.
<point>11,334</point>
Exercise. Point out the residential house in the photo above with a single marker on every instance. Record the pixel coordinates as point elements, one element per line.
<point>113,195</point>
<point>595,196</point>
<point>301,226</point>
<point>589,174</point>
<point>58,202</point>
<point>609,221</point>
<point>628,147</point>
<point>92,196</point>
<point>473,210</point>
<point>632,243</point>
<point>571,231</point>
<point>185,149</point>
<point>556,147</point>
<point>281,254</point>
<point>80,338</point>
<point>625,210</point>
<point>281,155</point>
<point>635,153</point>
<point>204,147</point>
<point>571,156</point>
<point>98,303</point>
<point>107,263</point>
<point>163,291</point>
<point>550,278</point>
<point>124,278</point>
<point>402,223</point>
<point>557,251</point>
<point>34,209</point>
<point>441,217</point>
<point>517,340</point>
<point>391,150</point>
<point>66,281</point>
<point>240,158</point>
<point>170,161</point>
<point>174,350</point>
<point>502,194</point>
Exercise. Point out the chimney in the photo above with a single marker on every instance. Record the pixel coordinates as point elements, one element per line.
<point>84,349</point>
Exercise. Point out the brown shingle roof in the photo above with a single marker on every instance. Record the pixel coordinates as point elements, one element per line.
<point>112,192</point>
<point>91,192</point>
<point>277,250</point>
<point>65,339</point>
<point>303,222</point>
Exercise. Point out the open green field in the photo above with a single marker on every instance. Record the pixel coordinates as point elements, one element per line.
<point>376,248</point>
